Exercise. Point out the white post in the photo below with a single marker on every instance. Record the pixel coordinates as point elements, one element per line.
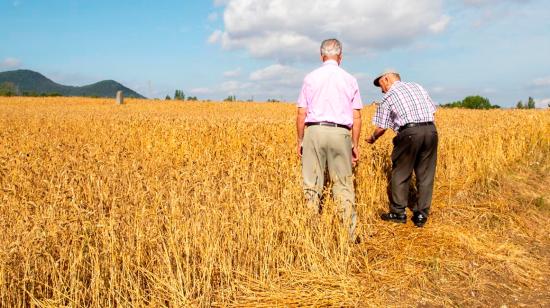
<point>119,98</point>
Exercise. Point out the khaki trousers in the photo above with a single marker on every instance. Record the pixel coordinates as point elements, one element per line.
<point>331,147</point>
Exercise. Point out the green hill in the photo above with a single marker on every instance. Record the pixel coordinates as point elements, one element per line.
<point>27,81</point>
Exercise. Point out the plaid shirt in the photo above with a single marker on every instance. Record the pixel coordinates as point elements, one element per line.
<point>404,103</point>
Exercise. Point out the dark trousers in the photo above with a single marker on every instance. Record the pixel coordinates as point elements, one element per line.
<point>415,149</point>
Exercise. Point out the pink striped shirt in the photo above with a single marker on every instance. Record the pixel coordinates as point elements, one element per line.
<point>330,94</point>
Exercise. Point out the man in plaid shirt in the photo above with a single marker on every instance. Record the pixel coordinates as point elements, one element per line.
<point>409,111</point>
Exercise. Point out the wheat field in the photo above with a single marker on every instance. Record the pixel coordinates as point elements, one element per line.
<point>174,204</point>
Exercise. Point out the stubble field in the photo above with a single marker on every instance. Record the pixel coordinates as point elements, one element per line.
<point>199,204</point>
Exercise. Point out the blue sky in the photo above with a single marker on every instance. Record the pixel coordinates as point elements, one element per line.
<point>262,49</point>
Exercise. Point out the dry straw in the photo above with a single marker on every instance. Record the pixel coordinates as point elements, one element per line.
<point>199,204</point>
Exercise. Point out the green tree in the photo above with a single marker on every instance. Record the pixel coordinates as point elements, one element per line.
<point>472,102</point>
<point>179,95</point>
<point>8,89</point>
<point>476,102</point>
<point>457,104</point>
<point>167,98</point>
<point>531,103</point>
<point>519,105</point>
<point>230,98</point>
<point>51,94</point>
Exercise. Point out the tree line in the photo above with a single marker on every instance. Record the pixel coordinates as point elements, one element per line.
<point>472,102</point>
<point>179,95</point>
<point>530,104</point>
<point>479,102</point>
<point>10,89</point>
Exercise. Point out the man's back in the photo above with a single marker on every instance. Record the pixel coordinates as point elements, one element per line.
<point>405,102</point>
<point>330,94</point>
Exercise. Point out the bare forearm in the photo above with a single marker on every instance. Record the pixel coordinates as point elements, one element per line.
<point>378,132</point>
<point>356,131</point>
<point>300,125</point>
<point>356,128</point>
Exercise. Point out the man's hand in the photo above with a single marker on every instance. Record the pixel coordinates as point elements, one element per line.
<point>299,149</point>
<point>371,139</point>
<point>355,156</point>
<point>378,132</point>
<point>300,127</point>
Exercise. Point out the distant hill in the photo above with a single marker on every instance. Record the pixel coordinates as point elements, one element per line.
<point>28,81</point>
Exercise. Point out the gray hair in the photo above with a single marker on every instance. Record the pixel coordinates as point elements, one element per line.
<point>331,47</point>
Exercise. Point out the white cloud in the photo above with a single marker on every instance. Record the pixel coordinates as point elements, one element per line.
<point>487,2</point>
<point>477,2</point>
<point>542,102</point>
<point>490,12</point>
<point>233,73</point>
<point>233,86</point>
<point>275,81</point>
<point>215,37</point>
<point>198,91</point>
<point>489,90</point>
<point>438,89</point>
<point>10,63</point>
<point>441,25</point>
<point>362,76</point>
<point>212,16</point>
<point>287,29</point>
<point>541,82</point>
<point>220,2</point>
<point>275,72</point>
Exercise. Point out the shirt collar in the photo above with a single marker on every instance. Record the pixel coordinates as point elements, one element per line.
<point>391,88</point>
<point>331,62</point>
<point>394,85</point>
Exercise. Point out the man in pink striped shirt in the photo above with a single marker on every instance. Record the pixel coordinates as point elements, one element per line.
<point>328,126</point>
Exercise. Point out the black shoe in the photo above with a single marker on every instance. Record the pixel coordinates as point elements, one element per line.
<point>419,219</point>
<point>400,218</point>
